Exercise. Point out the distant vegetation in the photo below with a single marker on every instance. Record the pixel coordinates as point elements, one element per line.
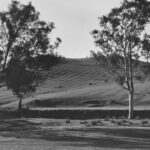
<point>47,61</point>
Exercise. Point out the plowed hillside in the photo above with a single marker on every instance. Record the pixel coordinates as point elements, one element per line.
<point>79,83</point>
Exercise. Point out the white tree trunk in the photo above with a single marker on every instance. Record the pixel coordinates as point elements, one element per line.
<point>131,97</point>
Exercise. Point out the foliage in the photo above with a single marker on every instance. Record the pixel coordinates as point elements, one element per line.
<point>24,46</point>
<point>120,38</point>
<point>44,61</point>
<point>23,34</point>
<point>121,41</point>
<point>20,79</point>
<point>146,47</point>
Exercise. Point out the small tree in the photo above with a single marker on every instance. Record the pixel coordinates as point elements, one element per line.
<point>20,79</point>
<point>23,76</point>
<point>120,40</point>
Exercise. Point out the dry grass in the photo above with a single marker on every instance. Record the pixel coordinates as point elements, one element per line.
<point>77,83</point>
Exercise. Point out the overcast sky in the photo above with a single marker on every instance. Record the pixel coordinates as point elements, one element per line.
<point>74,20</point>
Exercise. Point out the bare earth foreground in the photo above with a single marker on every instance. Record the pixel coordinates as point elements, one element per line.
<point>60,134</point>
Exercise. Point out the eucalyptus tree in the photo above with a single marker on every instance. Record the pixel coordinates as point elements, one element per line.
<point>120,40</point>
<point>23,38</point>
<point>23,34</point>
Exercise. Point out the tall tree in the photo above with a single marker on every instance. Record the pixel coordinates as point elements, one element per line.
<point>121,41</point>
<point>24,38</point>
<point>23,34</point>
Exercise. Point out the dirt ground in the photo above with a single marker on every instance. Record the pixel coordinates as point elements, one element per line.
<point>52,134</point>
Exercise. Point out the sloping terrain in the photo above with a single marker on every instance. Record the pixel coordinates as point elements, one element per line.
<point>79,83</point>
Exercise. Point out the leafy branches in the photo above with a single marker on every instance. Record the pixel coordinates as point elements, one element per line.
<point>121,41</point>
<point>23,34</point>
<point>24,38</point>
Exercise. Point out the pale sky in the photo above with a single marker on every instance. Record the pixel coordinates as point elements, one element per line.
<point>74,20</point>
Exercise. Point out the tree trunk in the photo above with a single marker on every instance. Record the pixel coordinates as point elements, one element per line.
<point>4,65</point>
<point>6,56</point>
<point>20,105</point>
<point>131,98</point>
<point>147,57</point>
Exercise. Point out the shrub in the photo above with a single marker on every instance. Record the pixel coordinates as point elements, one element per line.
<point>145,122</point>
<point>94,123</point>
<point>68,121</point>
<point>83,122</point>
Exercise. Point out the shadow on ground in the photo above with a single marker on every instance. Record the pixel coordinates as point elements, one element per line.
<point>77,137</point>
<point>108,138</point>
<point>17,125</point>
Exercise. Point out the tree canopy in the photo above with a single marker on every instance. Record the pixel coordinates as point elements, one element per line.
<point>24,42</point>
<point>23,34</point>
<point>121,41</point>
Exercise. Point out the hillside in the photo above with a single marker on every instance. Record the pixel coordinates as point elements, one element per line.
<point>79,83</point>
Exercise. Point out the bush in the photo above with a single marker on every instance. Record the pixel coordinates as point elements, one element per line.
<point>145,122</point>
<point>83,122</point>
<point>94,123</point>
<point>45,61</point>
<point>124,121</point>
<point>119,123</point>
<point>68,121</point>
